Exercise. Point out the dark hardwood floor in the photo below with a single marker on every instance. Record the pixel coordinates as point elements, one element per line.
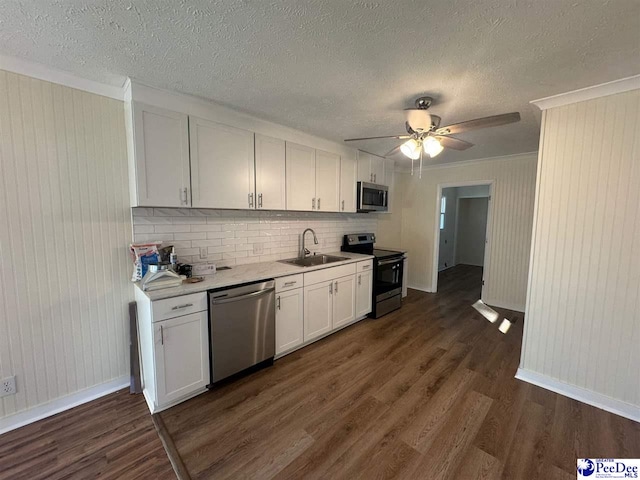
<point>425,392</point>
<point>112,438</point>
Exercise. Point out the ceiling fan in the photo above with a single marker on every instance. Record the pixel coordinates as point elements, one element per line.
<point>424,132</point>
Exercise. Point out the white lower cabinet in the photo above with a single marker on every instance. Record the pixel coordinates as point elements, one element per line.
<point>318,309</point>
<point>289,319</point>
<point>344,301</point>
<point>181,356</point>
<point>364,287</point>
<point>174,348</point>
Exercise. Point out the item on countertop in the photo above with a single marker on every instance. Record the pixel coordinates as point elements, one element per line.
<point>159,276</point>
<point>165,253</point>
<point>142,255</point>
<point>204,269</point>
<point>173,259</point>
<point>194,280</point>
<point>185,269</point>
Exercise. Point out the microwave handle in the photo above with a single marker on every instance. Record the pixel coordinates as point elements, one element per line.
<point>385,198</point>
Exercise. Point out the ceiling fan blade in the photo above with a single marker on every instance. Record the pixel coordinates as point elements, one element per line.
<point>484,122</point>
<point>453,143</point>
<point>375,138</point>
<point>393,151</point>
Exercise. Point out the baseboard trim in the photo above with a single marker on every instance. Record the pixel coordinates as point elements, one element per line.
<point>422,289</point>
<point>61,404</point>
<point>508,306</point>
<point>583,395</point>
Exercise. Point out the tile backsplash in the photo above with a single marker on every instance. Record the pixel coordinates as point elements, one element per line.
<point>234,237</point>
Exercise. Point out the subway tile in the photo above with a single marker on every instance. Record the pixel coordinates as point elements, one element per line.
<point>229,255</point>
<point>190,236</point>
<point>143,229</point>
<point>220,234</point>
<point>208,227</point>
<point>212,242</point>
<point>222,249</point>
<point>172,228</point>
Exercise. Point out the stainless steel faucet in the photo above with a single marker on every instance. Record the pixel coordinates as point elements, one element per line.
<point>304,252</point>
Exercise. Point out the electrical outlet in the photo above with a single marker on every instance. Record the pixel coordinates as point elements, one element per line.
<point>8,386</point>
<point>258,248</point>
<point>203,252</point>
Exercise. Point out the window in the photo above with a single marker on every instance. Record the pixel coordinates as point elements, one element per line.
<point>443,210</point>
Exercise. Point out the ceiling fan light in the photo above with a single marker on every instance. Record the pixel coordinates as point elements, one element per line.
<point>411,149</point>
<point>419,119</point>
<point>432,146</point>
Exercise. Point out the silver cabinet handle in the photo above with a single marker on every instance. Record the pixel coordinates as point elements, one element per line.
<point>318,204</point>
<point>184,198</point>
<point>343,205</point>
<point>336,290</point>
<point>288,284</point>
<point>364,267</point>
<point>375,177</point>
<point>278,304</point>
<point>259,200</point>
<point>359,279</point>
<point>331,288</point>
<point>250,200</point>
<point>313,204</point>
<point>161,335</point>
<point>178,307</point>
<point>371,177</point>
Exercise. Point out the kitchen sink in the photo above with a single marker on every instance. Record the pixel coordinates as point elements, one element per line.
<point>314,260</point>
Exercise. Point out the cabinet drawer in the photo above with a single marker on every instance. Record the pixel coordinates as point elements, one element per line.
<point>325,274</point>
<point>365,266</point>
<point>178,306</point>
<point>288,283</point>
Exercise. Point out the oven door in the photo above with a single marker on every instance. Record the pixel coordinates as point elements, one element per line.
<point>388,278</point>
<point>372,197</point>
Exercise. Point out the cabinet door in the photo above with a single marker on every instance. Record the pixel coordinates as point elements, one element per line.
<point>364,167</point>
<point>389,177</point>
<point>318,309</point>
<point>377,169</point>
<point>301,177</point>
<point>327,181</point>
<point>161,145</point>
<point>348,173</point>
<point>222,166</point>
<point>289,320</point>
<point>364,292</point>
<point>344,300</point>
<point>181,356</point>
<point>270,173</point>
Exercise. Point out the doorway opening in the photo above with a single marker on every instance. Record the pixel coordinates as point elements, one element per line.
<point>463,229</point>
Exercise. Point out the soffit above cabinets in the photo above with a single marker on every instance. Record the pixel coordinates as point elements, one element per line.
<point>343,69</point>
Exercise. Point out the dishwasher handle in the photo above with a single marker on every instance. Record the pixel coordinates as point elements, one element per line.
<point>215,301</point>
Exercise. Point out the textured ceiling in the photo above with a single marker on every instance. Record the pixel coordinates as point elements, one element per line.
<point>343,68</point>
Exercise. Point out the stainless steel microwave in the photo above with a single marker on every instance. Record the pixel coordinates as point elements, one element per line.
<point>372,197</point>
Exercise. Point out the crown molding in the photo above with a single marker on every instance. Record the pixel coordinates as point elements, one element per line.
<point>514,156</point>
<point>589,93</point>
<point>114,89</point>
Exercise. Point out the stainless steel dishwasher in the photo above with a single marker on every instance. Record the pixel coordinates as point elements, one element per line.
<point>242,326</point>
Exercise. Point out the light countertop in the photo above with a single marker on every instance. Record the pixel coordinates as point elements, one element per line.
<point>389,248</point>
<point>251,272</point>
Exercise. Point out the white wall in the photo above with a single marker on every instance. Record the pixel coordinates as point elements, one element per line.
<point>471,230</point>
<point>583,321</point>
<point>232,237</point>
<point>412,223</point>
<point>446,251</point>
<point>66,223</point>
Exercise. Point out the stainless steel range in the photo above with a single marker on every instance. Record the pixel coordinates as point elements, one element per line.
<point>387,272</point>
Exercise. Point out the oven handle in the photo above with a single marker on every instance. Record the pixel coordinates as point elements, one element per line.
<point>387,262</point>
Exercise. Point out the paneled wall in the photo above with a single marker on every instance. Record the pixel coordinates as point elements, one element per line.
<point>65,225</point>
<point>412,223</point>
<point>583,320</point>
<point>232,237</point>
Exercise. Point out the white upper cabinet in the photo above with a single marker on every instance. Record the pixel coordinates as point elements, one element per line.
<point>327,181</point>
<point>377,170</point>
<point>222,165</point>
<point>370,168</point>
<point>159,162</point>
<point>348,172</point>
<point>364,167</point>
<point>270,173</point>
<point>301,177</point>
